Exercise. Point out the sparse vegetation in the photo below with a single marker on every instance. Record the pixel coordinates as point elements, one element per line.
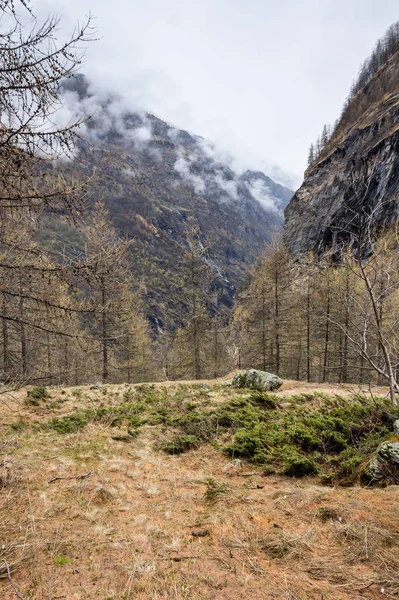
<point>193,506</point>
<point>309,434</point>
<point>60,560</point>
<point>214,490</point>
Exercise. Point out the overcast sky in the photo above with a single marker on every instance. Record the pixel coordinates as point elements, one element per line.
<point>257,77</point>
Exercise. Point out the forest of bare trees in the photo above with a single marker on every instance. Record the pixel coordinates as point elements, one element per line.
<point>70,317</point>
<point>64,318</point>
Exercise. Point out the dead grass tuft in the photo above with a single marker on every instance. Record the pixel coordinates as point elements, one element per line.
<point>280,543</point>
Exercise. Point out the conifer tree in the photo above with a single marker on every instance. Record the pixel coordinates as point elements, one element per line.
<point>190,355</point>
<point>311,156</point>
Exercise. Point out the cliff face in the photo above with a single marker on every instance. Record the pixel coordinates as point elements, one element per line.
<point>357,178</point>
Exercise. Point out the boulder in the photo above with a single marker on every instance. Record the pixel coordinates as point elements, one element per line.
<point>385,463</point>
<point>259,380</point>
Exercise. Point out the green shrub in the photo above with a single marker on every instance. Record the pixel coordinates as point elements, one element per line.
<point>68,424</point>
<point>311,434</point>
<point>296,464</point>
<point>263,399</point>
<point>36,394</point>
<point>181,444</point>
<point>254,442</point>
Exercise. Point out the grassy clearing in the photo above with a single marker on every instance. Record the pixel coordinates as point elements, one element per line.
<point>97,503</point>
<point>307,434</point>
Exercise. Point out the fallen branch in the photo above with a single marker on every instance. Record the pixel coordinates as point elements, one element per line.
<point>178,558</point>
<point>11,581</point>
<point>77,477</point>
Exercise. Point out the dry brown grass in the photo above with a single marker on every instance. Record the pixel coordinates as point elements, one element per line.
<point>124,530</point>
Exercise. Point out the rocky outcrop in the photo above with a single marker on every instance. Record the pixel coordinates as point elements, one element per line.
<point>259,380</point>
<point>359,175</point>
<point>385,463</point>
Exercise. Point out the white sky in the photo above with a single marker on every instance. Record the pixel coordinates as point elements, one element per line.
<point>257,77</point>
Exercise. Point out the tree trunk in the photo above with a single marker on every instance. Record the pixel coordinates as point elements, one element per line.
<point>215,354</point>
<point>197,359</point>
<point>326,337</point>
<point>277,324</point>
<point>264,342</point>
<point>66,360</point>
<point>128,357</point>
<point>104,334</point>
<point>23,339</point>
<point>6,349</point>
<point>308,335</point>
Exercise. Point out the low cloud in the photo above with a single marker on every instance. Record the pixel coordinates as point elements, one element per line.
<point>103,113</point>
<point>262,193</point>
<point>229,186</point>
<point>198,163</point>
<point>182,166</point>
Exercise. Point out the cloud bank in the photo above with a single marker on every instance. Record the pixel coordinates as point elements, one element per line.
<point>197,163</point>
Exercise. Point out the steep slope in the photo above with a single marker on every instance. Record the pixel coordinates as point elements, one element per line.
<point>358,174</point>
<point>153,176</point>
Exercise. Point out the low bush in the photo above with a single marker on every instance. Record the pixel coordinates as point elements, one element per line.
<point>309,435</point>
<point>36,395</point>
<point>181,444</point>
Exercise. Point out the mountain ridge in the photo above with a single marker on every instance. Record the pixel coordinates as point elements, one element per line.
<point>153,177</point>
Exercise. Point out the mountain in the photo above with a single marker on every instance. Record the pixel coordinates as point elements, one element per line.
<point>356,175</point>
<point>153,176</point>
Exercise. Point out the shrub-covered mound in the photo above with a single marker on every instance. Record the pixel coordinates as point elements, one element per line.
<point>308,434</point>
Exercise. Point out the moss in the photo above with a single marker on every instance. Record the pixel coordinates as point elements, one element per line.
<point>60,560</point>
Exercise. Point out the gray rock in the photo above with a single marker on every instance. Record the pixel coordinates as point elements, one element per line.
<point>260,380</point>
<point>396,427</point>
<point>385,460</point>
<point>321,213</point>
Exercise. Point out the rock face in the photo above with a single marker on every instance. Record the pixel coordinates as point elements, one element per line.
<point>385,463</point>
<point>260,380</point>
<point>358,174</point>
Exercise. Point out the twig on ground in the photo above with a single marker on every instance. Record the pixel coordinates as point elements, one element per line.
<point>11,581</point>
<point>77,477</point>
<point>178,558</point>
